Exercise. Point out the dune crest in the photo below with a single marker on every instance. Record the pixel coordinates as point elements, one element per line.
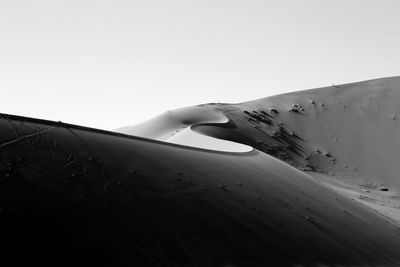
<point>102,198</point>
<point>348,132</point>
<point>320,187</point>
<point>178,127</point>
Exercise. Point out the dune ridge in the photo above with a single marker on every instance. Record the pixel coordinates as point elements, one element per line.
<point>314,130</point>
<point>308,194</point>
<point>96,197</point>
<point>178,127</point>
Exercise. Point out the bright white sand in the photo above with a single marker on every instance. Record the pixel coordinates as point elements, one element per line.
<point>188,137</point>
<point>175,127</point>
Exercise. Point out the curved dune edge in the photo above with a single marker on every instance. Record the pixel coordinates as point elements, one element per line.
<point>177,127</point>
<point>180,195</point>
<point>321,133</point>
<point>189,137</point>
<point>321,136</point>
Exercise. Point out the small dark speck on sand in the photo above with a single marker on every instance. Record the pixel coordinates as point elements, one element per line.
<point>223,187</point>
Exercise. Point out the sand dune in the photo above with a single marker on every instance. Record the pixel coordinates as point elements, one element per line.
<point>318,189</point>
<point>176,127</point>
<point>162,126</point>
<point>348,132</point>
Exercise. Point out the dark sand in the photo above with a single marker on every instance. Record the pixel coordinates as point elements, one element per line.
<point>74,196</point>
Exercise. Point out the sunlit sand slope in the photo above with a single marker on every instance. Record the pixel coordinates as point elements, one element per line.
<point>177,127</point>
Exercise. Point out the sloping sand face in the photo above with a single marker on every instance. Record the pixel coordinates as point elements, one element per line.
<point>90,197</point>
<point>189,137</point>
<point>176,127</point>
<point>356,124</point>
<point>163,126</point>
<point>349,132</point>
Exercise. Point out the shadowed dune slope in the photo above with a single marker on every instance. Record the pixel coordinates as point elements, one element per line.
<point>77,196</point>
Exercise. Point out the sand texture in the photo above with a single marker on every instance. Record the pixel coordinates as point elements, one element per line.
<point>308,179</point>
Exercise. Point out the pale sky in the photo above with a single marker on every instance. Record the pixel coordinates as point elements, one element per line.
<point>112,63</point>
